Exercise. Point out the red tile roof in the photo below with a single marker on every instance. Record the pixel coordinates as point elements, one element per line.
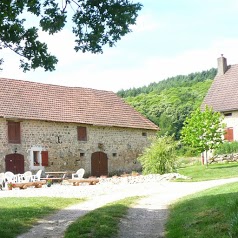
<point>223,93</point>
<point>38,101</point>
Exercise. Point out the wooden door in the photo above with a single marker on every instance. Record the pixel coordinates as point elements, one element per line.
<point>14,163</point>
<point>99,164</point>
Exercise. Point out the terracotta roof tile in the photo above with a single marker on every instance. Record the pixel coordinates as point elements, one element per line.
<point>29,100</point>
<point>223,93</point>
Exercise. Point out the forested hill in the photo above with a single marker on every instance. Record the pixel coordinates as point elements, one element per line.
<point>168,102</point>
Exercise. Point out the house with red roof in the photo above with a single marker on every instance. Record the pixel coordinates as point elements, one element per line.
<point>58,128</point>
<point>223,96</point>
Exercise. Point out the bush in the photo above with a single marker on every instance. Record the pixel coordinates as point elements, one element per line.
<point>159,157</point>
<point>227,148</point>
<point>187,151</point>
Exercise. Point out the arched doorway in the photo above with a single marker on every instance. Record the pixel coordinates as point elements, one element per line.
<point>99,164</point>
<point>15,163</point>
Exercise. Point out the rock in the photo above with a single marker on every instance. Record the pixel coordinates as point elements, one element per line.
<point>142,178</point>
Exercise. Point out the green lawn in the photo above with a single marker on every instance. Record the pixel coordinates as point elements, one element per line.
<point>102,222</point>
<point>200,172</point>
<point>17,215</point>
<point>207,214</point>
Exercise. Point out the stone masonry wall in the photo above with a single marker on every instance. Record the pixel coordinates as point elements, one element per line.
<point>122,145</point>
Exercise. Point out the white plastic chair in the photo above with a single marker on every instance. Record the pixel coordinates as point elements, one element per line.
<point>27,176</point>
<point>10,177</point>
<point>2,180</point>
<point>79,174</point>
<point>37,176</point>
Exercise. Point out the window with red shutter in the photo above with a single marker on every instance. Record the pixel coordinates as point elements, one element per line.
<point>14,132</point>
<point>44,158</point>
<point>229,134</point>
<point>82,133</point>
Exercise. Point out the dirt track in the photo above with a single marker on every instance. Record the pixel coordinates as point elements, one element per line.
<point>145,219</point>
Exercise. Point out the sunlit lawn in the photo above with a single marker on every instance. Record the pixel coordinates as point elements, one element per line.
<point>17,215</point>
<point>200,172</point>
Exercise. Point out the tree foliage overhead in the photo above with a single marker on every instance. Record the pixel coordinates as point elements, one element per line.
<point>168,102</point>
<point>95,24</point>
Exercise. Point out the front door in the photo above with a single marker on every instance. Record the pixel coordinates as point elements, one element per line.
<point>99,164</point>
<point>15,163</point>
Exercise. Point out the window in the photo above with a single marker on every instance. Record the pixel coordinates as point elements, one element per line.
<point>14,135</point>
<point>144,134</point>
<point>38,158</point>
<point>228,114</point>
<point>228,134</point>
<point>82,133</point>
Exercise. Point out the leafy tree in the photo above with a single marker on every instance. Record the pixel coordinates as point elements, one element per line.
<point>160,157</point>
<point>203,130</point>
<point>95,24</point>
<point>168,108</point>
<point>173,82</point>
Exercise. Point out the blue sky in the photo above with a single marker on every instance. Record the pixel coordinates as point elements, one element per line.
<point>170,38</point>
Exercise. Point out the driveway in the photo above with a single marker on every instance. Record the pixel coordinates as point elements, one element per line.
<point>145,219</point>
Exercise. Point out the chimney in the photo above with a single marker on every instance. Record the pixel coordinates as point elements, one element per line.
<point>221,65</point>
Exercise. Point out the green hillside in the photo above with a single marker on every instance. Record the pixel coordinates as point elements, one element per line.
<point>168,102</point>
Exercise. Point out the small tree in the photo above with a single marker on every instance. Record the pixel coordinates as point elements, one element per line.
<point>203,130</point>
<point>159,157</point>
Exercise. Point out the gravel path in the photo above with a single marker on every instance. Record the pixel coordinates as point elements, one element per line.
<point>147,218</point>
<point>151,210</point>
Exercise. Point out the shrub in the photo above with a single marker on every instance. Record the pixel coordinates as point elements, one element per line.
<point>159,157</point>
<point>187,151</point>
<point>227,148</point>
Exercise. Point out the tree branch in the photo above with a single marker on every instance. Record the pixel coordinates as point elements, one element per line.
<point>15,51</point>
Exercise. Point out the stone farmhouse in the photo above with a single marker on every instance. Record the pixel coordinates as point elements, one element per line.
<point>223,96</point>
<point>58,128</point>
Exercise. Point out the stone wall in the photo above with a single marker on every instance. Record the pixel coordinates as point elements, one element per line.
<point>122,145</point>
<point>224,158</point>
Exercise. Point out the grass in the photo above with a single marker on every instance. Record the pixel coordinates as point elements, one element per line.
<point>211,213</point>
<point>199,172</point>
<point>102,222</point>
<point>19,214</point>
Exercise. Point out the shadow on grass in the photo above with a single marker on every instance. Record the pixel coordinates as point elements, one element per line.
<point>19,214</point>
<point>224,167</point>
<point>15,221</point>
<point>203,216</point>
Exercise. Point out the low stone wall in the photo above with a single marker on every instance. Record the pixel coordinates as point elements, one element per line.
<point>224,158</point>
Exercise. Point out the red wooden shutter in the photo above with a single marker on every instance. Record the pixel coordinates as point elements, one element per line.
<point>44,158</point>
<point>229,134</point>
<point>82,133</point>
<point>14,133</point>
